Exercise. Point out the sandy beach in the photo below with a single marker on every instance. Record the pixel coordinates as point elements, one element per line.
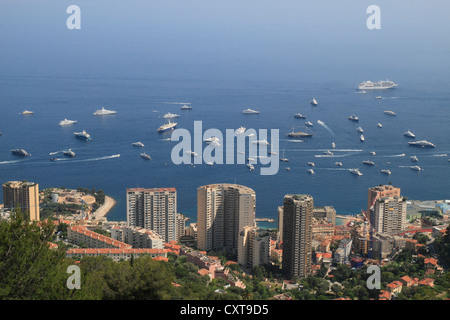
<point>104,209</point>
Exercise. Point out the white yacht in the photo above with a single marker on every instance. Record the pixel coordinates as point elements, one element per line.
<point>390,113</point>
<point>311,171</point>
<point>186,107</point>
<point>250,111</point>
<point>339,164</point>
<point>104,112</point>
<point>414,159</point>
<point>314,102</point>
<point>328,153</point>
<point>240,130</point>
<point>138,144</point>
<point>362,138</point>
<point>250,166</point>
<point>353,118</point>
<point>167,127</point>
<point>422,143</point>
<point>27,112</point>
<point>308,123</point>
<point>409,134</point>
<point>169,115</point>
<point>372,153</point>
<point>386,171</point>
<point>416,168</point>
<point>368,162</point>
<point>360,130</point>
<point>333,145</point>
<point>66,122</point>
<point>299,116</point>
<point>355,172</point>
<point>379,125</point>
<point>379,97</point>
<point>383,84</point>
<point>312,164</point>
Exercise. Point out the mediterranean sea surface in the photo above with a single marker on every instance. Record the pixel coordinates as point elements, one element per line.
<point>149,59</point>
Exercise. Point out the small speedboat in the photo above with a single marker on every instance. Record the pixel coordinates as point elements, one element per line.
<point>355,172</point>
<point>69,153</point>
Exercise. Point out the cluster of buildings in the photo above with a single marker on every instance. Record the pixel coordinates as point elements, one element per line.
<point>395,287</point>
<point>307,236</point>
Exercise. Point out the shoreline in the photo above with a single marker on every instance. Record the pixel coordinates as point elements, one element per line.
<point>102,211</point>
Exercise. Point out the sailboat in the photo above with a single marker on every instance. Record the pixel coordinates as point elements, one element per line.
<point>284,159</point>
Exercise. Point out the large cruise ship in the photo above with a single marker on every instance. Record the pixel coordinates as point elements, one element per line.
<point>382,84</point>
<point>167,126</point>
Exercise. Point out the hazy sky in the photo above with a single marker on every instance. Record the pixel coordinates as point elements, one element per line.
<point>210,38</point>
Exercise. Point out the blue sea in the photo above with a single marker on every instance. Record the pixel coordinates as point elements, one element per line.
<point>149,58</point>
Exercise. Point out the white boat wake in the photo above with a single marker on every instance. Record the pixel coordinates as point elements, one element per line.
<point>326,127</point>
<point>90,159</point>
<point>439,155</point>
<point>334,150</point>
<point>101,158</point>
<point>11,161</point>
<point>395,155</point>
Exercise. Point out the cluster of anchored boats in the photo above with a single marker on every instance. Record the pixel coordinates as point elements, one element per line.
<point>366,85</point>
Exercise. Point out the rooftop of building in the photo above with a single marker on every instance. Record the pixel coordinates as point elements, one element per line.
<point>94,235</point>
<point>151,190</point>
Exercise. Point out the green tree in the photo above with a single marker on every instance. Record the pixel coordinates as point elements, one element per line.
<point>27,263</point>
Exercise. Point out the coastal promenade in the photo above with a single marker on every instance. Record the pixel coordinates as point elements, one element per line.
<point>104,209</point>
